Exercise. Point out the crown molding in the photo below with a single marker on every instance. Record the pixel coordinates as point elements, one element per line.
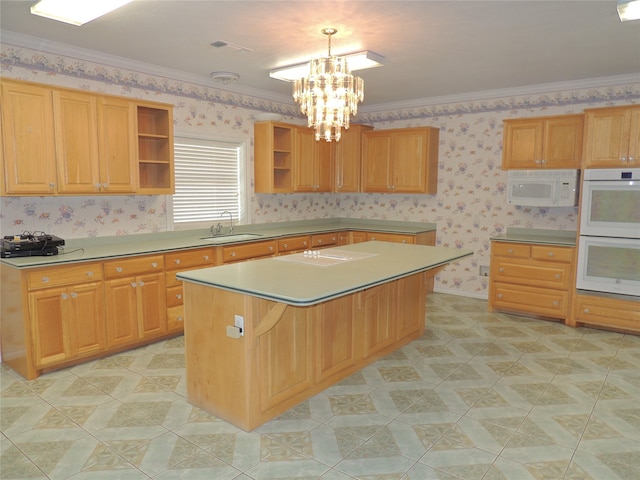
<point>614,80</point>
<point>55,48</point>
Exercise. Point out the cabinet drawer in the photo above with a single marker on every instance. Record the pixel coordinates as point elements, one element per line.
<point>175,318</point>
<point>513,250</point>
<point>391,237</point>
<point>541,301</point>
<point>174,296</point>
<point>234,253</point>
<point>324,239</point>
<point>292,244</point>
<point>533,273</point>
<point>124,267</point>
<point>58,276</point>
<point>608,312</point>
<point>189,258</point>
<point>551,253</point>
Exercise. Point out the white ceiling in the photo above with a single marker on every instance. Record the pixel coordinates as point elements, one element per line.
<point>431,48</point>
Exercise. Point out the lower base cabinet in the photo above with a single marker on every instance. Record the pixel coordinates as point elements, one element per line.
<point>611,313</point>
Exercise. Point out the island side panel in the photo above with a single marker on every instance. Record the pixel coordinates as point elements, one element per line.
<point>218,367</point>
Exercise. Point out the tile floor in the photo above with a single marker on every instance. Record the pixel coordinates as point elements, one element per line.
<point>479,396</point>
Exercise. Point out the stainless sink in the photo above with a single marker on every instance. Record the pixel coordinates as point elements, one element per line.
<point>234,237</point>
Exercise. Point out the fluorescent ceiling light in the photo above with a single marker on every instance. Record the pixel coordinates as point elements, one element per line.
<point>355,61</point>
<point>629,10</point>
<point>75,12</point>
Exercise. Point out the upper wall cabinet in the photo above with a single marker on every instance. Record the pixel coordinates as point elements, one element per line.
<point>29,158</point>
<point>68,142</point>
<point>347,159</point>
<point>402,160</point>
<point>312,162</point>
<point>274,145</point>
<point>543,142</point>
<point>612,137</point>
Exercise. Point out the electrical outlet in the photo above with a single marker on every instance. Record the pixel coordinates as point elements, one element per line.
<point>238,322</point>
<point>484,270</point>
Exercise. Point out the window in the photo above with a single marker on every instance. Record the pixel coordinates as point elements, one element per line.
<point>209,181</point>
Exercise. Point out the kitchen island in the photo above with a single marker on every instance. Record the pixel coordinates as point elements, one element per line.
<point>264,335</point>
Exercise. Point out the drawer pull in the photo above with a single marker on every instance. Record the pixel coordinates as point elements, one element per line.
<point>119,269</point>
<point>74,295</point>
<point>134,284</point>
<point>558,276</point>
<point>304,243</point>
<point>206,257</point>
<point>141,284</point>
<point>154,264</point>
<point>64,296</point>
<point>586,310</point>
<point>499,295</point>
<point>233,254</point>
<point>45,279</point>
<point>501,270</point>
<point>510,250</point>
<point>177,261</point>
<point>271,249</point>
<point>550,254</point>
<point>89,274</point>
<point>179,319</point>
<point>179,296</point>
<point>556,303</point>
<point>404,241</point>
<point>285,245</point>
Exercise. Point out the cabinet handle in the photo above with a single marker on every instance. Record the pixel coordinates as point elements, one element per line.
<point>119,269</point>
<point>52,185</point>
<point>304,243</point>
<point>404,241</point>
<point>179,296</point>
<point>177,261</point>
<point>499,295</point>
<point>89,274</point>
<point>271,249</point>
<point>233,254</point>
<point>285,245</point>
<point>154,264</point>
<point>45,279</point>
<point>206,257</point>
<point>141,284</point>
<point>501,270</point>
<point>586,310</point>
<point>556,303</point>
<point>623,159</point>
<point>631,159</point>
<point>558,275</point>
<point>74,295</point>
<point>97,186</point>
<point>510,250</point>
<point>105,186</point>
<point>373,238</point>
<point>134,284</point>
<point>179,319</point>
<point>64,296</point>
<point>550,254</point>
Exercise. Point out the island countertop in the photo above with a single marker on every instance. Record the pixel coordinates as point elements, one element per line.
<point>299,280</point>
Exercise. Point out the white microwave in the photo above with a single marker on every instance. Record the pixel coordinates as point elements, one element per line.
<point>543,188</point>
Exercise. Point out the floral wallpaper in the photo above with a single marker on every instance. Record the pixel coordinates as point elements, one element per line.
<point>469,208</point>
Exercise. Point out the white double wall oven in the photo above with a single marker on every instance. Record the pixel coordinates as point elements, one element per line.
<point>609,244</point>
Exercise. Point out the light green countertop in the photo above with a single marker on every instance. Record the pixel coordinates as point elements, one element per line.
<point>307,281</point>
<point>539,236</point>
<point>102,248</point>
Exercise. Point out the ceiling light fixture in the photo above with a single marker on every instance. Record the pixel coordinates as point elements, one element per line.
<point>329,94</point>
<point>628,10</point>
<point>75,12</point>
<point>224,77</point>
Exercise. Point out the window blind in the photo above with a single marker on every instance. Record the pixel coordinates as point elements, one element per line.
<point>207,180</point>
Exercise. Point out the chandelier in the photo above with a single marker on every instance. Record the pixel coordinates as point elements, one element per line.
<point>329,95</point>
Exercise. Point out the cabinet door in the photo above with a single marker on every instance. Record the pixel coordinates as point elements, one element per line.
<point>376,166</point>
<point>409,155</point>
<point>117,136</point>
<point>607,133</point>
<point>122,311</point>
<point>28,139</point>
<point>305,153</point>
<point>379,321</point>
<point>390,237</point>
<point>347,162</point>
<point>522,144</point>
<point>410,315</point>
<point>87,327</point>
<point>47,311</point>
<point>152,318</point>
<point>75,125</point>
<point>562,147</point>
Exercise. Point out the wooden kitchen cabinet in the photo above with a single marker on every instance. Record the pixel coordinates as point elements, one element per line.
<point>608,312</point>
<point>66,313</point>
<point>347,159</point>
<point>322,240</point>
<point>181,261</point>
<point>155,149</point>
<point>543,142</point>
<point>312,162</point>
<point>400,160</point>
<point>135,297</point>
<point>531,278</point>
<point>29,166</point>
<point>612,137</point>
<point>274,145</point>
<point>294,244</point>
<point>247,251</point>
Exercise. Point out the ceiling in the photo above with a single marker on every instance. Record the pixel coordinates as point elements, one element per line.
<point>431,48</point>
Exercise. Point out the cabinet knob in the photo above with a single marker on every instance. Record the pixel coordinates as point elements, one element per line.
<point>499,295</point>
<point>154,264</point>
<point>623,159</point>
<point>631,159</point>
<point>45,279</point>
<point>179,319</point>
<point>179,296</point>
<point>510,250</point>
<point>373,238</point>
<point>105,186</point>
<point>556,303</point>
<point>586,310</point>
<point>404,241</point>
<point>550,254</point>
<point>97,186</point>
<point>89,274</point>
<point>64,296</point>
<point>141,284</point>
<point>304,243</point>
<point>285,245</point>
<point>271,249</point>
<point>134,284</point>
<point>74,295</point>
<point>206,257</point>
<point>501,270</point>
<point>119,269</point>
<point>233,254</point>
<point>558,276</point>
<point>177,261</point>
<point>52,185</point>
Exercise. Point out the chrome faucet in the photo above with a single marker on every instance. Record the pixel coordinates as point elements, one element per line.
<point>230,220</point>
